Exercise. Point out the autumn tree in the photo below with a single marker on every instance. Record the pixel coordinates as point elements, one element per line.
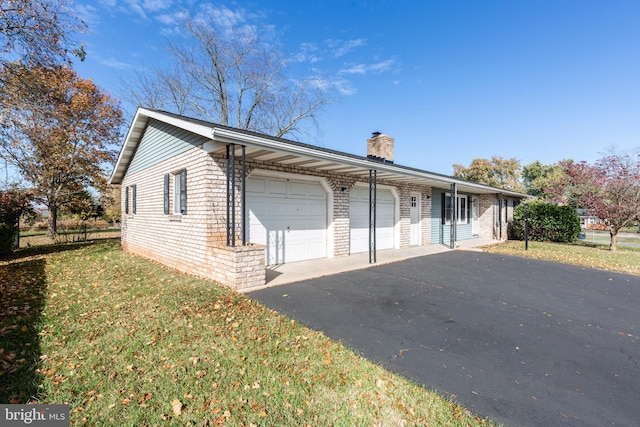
<point>497,172</point>
<point>229,75</point>
<point>58,130</point>
<point>110,201</point>
<point>608,189</point>
<point>537,177</point>
<point>39,32</point>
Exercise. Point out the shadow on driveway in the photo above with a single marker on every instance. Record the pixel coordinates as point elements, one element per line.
<point>525,342</point>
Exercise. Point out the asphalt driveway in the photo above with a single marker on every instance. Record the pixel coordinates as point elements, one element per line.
<point>527,343</point>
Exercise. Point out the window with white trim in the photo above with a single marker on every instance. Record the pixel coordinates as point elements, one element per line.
<point>175,193</point>
<point>463,207</point>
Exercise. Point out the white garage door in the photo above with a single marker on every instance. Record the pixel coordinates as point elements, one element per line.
<point>359,219</point>
<point>289,217</point>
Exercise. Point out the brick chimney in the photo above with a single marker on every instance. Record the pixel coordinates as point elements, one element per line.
<point>380,147</point>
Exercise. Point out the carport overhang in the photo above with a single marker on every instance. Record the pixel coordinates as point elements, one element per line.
<point>263,148</point>
<point>299,155</point>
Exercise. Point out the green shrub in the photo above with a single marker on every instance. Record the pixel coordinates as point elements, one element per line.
<point>547,222</point>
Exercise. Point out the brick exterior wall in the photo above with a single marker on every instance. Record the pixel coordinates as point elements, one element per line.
<point>425,220</point>
<point>487,216</point>
<point>196,242</point>
<point>341,187</point>
<point>493,216</point>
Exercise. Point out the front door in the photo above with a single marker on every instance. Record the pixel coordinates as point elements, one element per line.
<point>475,216</point>
<point>414,239</point>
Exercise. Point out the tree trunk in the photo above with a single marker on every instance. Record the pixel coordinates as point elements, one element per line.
<point>614,240</point>
<point>52,221</point>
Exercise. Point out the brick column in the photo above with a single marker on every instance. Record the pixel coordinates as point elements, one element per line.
<point>341,240</point>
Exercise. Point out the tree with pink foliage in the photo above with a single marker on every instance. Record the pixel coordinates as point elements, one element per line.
<point>608,189</point>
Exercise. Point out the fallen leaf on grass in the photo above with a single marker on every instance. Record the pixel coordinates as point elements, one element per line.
<point>176,406</point>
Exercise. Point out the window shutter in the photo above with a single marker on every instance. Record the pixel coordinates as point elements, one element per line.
<point>126,200</point>
<point>133,198</point>
<point>443,212</point>
<point>183,191</point>
<point>166,194</point>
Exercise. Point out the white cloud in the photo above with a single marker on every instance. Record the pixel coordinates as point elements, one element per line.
<point>156,5</point>
<point>341,48</point>
<point>134,6</point>
<point>309,52</point>
<point>114,63</point>
<point>331,48</point>
<point>383,66</point>
<point>342,86</point>
<point>354,69</point>
<point>171,19</point>
<point>376,68</point>
<point>222,16</point>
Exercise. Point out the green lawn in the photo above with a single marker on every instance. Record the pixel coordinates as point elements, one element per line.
<point>128,342</point>
<point>625,260</point>
<point>39,238</point>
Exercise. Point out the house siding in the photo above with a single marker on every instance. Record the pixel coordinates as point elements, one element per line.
<point>441,233</point>
<point>162,142</point>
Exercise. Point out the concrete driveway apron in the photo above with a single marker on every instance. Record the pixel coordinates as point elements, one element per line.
<point>525,342</point>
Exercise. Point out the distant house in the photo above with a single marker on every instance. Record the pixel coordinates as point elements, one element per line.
<point>590,222</point>
<point>222,203</point>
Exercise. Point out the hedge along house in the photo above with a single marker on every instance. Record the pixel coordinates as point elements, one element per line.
<point>223,203</point>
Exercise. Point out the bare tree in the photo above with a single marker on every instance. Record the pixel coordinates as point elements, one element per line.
<point>39,31</point>
<point>231,77</point>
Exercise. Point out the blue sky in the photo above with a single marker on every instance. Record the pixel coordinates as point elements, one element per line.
<point>449,80</point>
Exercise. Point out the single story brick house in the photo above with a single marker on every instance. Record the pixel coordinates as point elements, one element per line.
<point>224,203</point>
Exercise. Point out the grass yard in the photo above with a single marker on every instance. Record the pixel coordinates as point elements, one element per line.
<point>625,260</point>
<point>125,341</point>
<point>40,238</point>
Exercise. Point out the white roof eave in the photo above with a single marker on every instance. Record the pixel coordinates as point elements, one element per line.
<point>229,136</point>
